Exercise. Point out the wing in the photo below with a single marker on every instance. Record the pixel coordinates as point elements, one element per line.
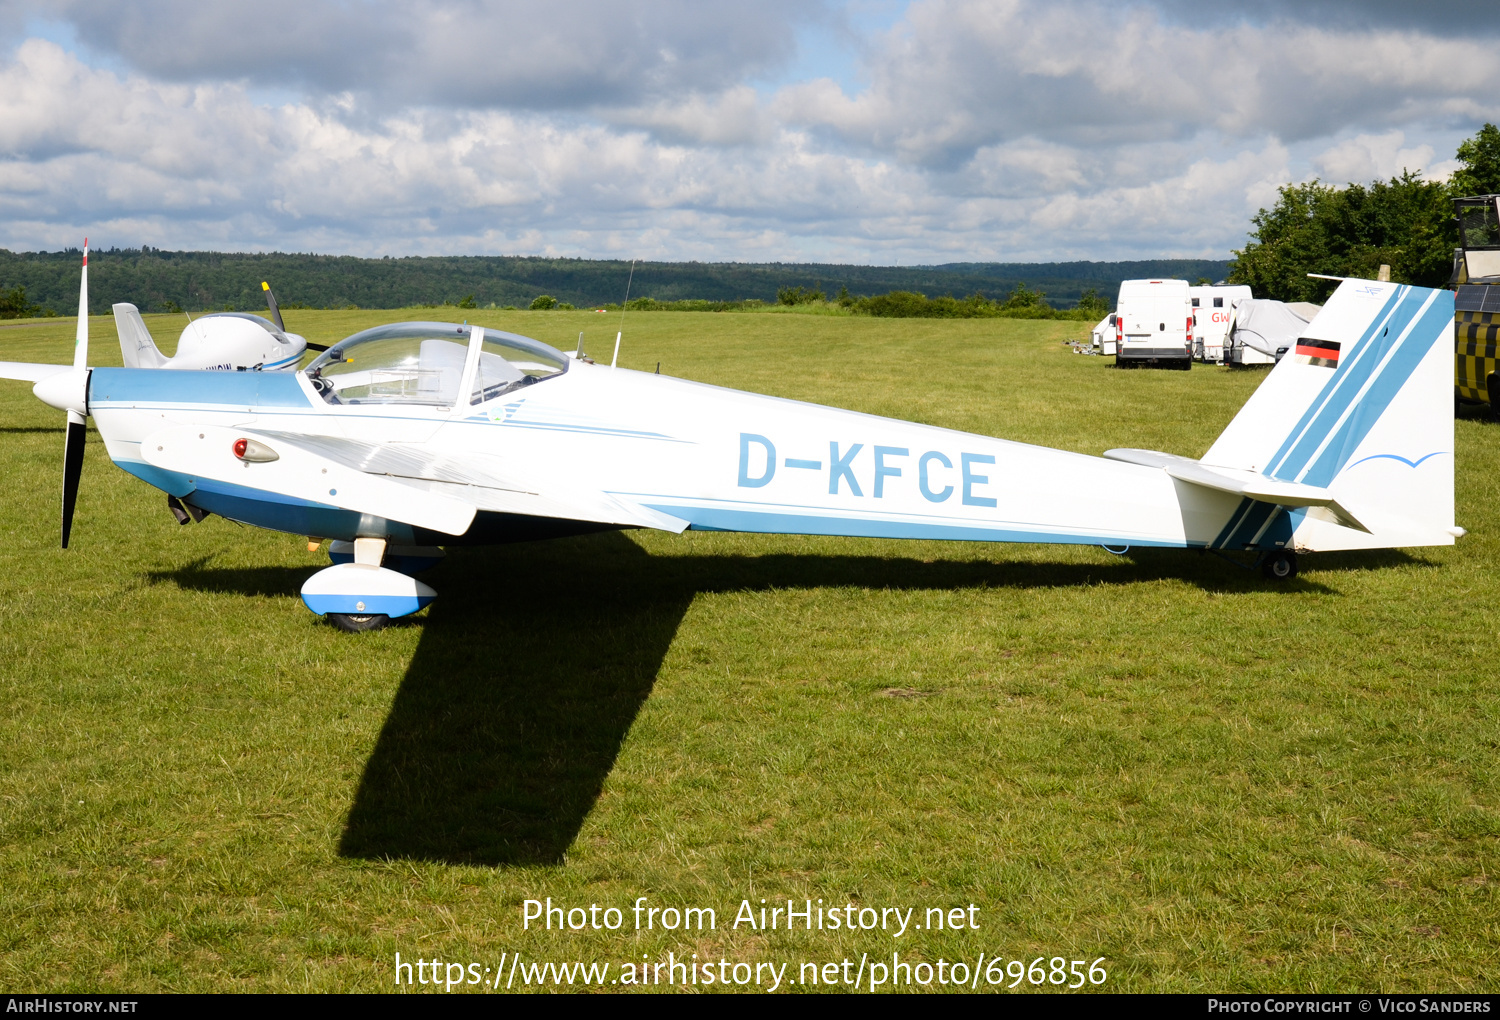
<point>477,481</point>
<point>30,371</point>
<point>207,452</point>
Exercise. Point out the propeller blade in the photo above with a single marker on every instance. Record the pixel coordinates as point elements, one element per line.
<point>81,341</point>
<point>317,347</point>
<point>77,423</point>
<point>72,470</point>
<point>275,309</point>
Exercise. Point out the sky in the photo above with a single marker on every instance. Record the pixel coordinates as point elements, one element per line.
<point>867,131</point>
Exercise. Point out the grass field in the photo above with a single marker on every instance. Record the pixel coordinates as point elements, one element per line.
<point>1159,758</point>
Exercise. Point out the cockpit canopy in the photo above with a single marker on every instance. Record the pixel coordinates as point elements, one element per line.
<point>425,362</point>
<point>260,320</point>
<point>244,338</point>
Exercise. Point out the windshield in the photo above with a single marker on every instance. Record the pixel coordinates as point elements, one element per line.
<point>261,320</point>
<point>508,361</point>
<point>1478,227</point>
<point>423,363</point>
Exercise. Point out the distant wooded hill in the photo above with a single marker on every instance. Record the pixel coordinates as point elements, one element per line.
<point>157,281</point>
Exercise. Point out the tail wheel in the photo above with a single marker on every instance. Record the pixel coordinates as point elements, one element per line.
<point>1280,565</point>
<point>353,623</point>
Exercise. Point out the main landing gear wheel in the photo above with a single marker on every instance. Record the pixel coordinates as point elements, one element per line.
<point>362,596</point>
<point>354,623</point>
<point>1280,565</point>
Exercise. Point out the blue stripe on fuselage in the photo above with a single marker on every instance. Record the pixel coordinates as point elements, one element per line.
<point>259,508</point>
<point>276,366</point>
<point>777,523</point>
<point>274,511</point>
<point>179,386</point>
<point>1248,526</point>
<point>172,483</point>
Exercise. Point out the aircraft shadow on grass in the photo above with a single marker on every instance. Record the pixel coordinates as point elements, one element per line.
<point>533,665</point>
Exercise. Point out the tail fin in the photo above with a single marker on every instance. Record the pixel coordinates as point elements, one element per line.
<point>1363,407</point>
<point>136,345</point>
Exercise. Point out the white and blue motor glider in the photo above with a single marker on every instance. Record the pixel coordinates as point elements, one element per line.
<point>409,437</point>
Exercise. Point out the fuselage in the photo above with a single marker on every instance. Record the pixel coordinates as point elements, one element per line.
<point>717,458</point>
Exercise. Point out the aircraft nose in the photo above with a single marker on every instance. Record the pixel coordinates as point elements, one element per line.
<point>66,391</point>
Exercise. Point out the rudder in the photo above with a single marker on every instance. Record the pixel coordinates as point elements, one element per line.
<point>1363,407</point>
<point>136,345</point>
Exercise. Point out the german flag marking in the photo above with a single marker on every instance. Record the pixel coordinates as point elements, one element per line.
<point>1324,353</point>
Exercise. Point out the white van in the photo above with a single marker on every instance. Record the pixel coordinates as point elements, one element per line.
<point>1212,309</point>
<point>1154,324</point>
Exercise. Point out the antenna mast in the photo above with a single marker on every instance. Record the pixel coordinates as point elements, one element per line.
<point>629,280</point>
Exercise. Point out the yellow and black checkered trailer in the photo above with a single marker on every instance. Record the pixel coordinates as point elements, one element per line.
<point>1476,333</point>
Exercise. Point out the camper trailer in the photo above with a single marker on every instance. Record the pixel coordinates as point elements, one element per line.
<point>1154,324</point>
<point>1212,309</point>
<point>1104,335</point>
<point>1261,331</point>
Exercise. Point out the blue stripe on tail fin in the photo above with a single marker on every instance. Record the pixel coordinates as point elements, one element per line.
<point>1362,387</point>
<point>1258,525</point>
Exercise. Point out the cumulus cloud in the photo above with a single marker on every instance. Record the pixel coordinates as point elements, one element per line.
<point>981,129</point>
<point>1365,157</point>
<point>530,54</point>
<point>83,145</point>
<point>1455,17</point>
<point>960,74</point>
<point>732,117</point>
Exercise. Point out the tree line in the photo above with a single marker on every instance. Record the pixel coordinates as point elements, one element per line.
<point>1406,223</point>
<point>154,280</point>
<point>1021,303</point>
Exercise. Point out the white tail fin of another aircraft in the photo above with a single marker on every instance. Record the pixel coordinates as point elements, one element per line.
<point>1362,409</point>
<point>136,345</point>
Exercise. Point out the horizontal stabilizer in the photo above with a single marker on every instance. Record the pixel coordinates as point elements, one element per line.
<point>30,372</point>
<point>1249,484</point>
